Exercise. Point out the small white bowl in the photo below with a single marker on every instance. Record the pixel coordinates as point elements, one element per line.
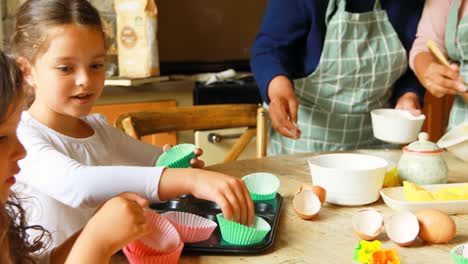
<point>456,141</point>
<point>349,179</point>
<point>396,126</point>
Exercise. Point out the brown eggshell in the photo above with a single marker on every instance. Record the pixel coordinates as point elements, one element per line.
<point>306,204</point>
<point>367,224</point>
<point>318,190</point>
<point>436,226</point>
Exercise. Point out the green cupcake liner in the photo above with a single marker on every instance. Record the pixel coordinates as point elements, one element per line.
<point>178,156</point>
<point>262,186</point>
<point>238,234</point>
<point>457,254</point>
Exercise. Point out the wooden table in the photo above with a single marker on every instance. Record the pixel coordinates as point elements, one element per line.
<point>328,238</point>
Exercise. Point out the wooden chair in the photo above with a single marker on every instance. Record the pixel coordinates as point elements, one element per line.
<point>201,117</point>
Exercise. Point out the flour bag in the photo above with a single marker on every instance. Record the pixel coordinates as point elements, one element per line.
<point>137,43</point>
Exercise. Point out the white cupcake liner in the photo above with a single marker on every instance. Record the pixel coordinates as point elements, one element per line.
<point>459,255</point>
<point>262,185</point>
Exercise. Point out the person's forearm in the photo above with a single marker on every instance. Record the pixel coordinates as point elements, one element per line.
<point>421,63</point>
<point>60,253</point>
<point>176,182</point>
<point>85,249</point>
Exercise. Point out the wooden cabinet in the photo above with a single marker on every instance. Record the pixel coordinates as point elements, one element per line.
<point>437,111</point>
<point>112,111</point>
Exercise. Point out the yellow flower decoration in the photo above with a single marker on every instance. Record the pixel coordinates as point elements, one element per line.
<point>366,248</point>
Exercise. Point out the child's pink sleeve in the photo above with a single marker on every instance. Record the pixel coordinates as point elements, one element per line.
<point>431,26</point>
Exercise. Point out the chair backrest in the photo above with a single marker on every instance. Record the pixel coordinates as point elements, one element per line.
<point>201,117</point>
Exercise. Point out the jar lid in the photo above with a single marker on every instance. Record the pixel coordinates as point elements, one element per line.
<point>423,145</point>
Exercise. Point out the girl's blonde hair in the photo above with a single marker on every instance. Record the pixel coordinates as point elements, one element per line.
<point>14,242</point>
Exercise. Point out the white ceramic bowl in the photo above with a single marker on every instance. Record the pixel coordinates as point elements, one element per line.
<point>396,126</point>
<point>349,179</point>
<point>456,141</point>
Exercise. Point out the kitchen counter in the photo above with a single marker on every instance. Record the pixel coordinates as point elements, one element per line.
<point>328,238</point>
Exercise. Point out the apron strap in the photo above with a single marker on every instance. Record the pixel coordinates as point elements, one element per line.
<point>342,6</point>
<point>451,31</point>
<point>331,8</point>
<point>377,5</point>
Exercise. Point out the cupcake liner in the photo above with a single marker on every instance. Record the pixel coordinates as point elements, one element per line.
<point>178,156</point>
<point>163,238</point>
<point>191,227</point>
<point>166,258</point>
<point>261,185</point>
<point>141,249</point>
<point>238,234</point>
<point>458,254</point>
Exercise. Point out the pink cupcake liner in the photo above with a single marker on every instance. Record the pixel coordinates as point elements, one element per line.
<point>139,248</point>
<point>163,238</point>
<point>191,227</point>
<point>166,258</point>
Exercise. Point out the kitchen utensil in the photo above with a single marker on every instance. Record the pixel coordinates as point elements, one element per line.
<point>268,210</point>
<point>434,49</point>
<point>349,179</point>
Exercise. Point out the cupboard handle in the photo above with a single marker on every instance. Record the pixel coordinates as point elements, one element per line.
<point>216,138</point>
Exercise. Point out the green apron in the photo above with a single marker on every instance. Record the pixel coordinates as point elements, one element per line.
<point>456,41</point>
<point>361,60</point>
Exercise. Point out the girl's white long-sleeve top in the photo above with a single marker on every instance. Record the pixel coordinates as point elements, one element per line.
<point>64,179</point>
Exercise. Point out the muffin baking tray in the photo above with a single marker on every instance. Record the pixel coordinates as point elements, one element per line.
<point>268,210</point>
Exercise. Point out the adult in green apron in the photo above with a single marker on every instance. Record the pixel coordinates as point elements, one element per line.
<point>361,59</point>
<point>456,42</point>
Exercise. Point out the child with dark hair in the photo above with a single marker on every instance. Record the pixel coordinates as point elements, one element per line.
<point>76,160</point>
<point>98,240</point>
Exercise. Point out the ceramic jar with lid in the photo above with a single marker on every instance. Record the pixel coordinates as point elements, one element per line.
<point>422,162</point>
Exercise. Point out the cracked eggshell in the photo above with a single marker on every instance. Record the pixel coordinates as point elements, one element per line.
<point>306,204</point>
<point>318,190</point>
<point>368,223</point>
<point>402,228</point>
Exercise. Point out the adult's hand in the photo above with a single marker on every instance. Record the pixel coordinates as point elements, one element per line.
<point>410,102</point>
<point>441,80</point>
<point>465,97</point>
<point>283,107</point>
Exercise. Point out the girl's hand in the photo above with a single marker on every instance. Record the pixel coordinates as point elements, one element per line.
<point>118,222</point>
<point>441,80</point>
<point>196,163</point>
<point>283,107</point>
<point>410,102</point>
<point>228,192</point>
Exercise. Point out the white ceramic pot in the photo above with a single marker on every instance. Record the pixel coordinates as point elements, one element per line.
<point>349,179</point>
<point>422,162</point>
